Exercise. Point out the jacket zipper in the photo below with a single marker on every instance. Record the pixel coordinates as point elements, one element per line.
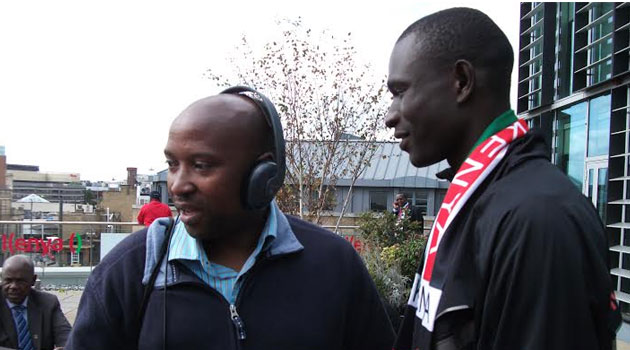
<point>236,319</point>
<point>238,323</point>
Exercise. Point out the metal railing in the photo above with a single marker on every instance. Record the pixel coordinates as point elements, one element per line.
<point>52,245</point>
<point>46,222</point>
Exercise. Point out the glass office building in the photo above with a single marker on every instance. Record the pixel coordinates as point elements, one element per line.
<point>574,83</point>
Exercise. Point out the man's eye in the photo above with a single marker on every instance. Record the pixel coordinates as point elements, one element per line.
<point>171,163</point>
<point>397,92</point>
<point>202,166</point>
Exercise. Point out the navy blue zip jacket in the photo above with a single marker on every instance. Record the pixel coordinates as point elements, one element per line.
<point>310,290</point>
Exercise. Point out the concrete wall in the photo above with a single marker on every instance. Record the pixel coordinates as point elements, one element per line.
<point>3,171</point>
<point>21,175</point>
<point>53,207</point>
<point>120,202</point>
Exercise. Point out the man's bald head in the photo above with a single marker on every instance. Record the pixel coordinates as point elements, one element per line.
<point>18,276</point>
<point>239,114</point>
<point>21,262</point>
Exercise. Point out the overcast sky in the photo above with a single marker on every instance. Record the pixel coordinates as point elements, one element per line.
<point>92,86</point>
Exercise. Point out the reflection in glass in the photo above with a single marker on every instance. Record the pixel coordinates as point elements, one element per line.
<point>378,200</point>
<point>602,192</point>
<point>601,49</point>
<point>564,62</point>
<point>599,126</point>
<point>570,145</point>
<point>589,190</point>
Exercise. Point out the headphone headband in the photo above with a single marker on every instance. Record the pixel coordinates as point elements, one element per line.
<point>274,183</point>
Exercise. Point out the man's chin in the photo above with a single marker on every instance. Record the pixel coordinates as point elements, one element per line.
<point>16,301</point>
<point>421,161</point>
<point>201,232</point>
<point>193,230</point>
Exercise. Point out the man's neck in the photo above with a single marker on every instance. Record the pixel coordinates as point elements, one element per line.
<point>232,250</point>
<point>483,119</point>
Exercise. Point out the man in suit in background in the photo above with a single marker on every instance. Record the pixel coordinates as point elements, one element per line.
<point>29,319</point>
<point>402,210</point>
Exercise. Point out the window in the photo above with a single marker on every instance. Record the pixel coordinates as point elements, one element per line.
<point>535,56</point>
<point>570,142</point>
<point>378,200</point>
<point>600,41</point>
<point>439,198</point>
<point>534,122</point>
<point>599,126</point>
<point>564,49</point>
<point>530,60</point>
<point>575,139</point>
<point>419,199</point>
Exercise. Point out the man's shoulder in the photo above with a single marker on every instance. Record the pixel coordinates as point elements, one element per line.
<point>126,257</point>
<point>165,206</point>
<point>42,297</point>
<point>537,198</point>
<point>312,235</point>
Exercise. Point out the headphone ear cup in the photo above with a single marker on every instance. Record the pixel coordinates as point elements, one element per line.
<point>258,192</point>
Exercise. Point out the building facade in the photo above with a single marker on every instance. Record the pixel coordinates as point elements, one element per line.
<point>574,84</point>
<point>54,187</point>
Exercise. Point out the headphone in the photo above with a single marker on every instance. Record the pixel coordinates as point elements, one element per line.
<point>266,176</point>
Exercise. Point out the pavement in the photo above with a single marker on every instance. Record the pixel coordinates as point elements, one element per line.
<point>69,301</point>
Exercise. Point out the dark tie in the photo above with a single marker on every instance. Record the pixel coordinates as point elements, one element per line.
<point>23,333</point>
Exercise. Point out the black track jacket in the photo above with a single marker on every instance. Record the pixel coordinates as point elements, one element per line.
<point>526,266</point>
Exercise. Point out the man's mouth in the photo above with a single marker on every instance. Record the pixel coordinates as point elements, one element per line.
<point>404,140</point>
<point>400,134</point>
<point>188,214</point>
<point>13,296</point>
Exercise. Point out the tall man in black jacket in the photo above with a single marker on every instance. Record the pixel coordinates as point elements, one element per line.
<point>517,257</point>
<point>237,278</point>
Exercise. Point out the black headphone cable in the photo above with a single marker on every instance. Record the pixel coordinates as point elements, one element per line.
<point>168,250</point>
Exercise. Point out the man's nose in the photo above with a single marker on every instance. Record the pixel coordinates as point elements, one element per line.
<point>392,117</point>
<point>180,182</point>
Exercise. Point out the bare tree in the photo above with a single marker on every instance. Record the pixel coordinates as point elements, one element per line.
<point>331,106</point>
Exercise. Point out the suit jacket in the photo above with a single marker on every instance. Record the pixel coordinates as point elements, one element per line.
<point>49,327</point>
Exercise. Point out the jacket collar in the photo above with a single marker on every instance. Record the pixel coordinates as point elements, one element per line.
<point>284,243</point>
<point>532,145</point>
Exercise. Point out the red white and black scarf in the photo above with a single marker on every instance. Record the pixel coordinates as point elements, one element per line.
<point>426,291</point>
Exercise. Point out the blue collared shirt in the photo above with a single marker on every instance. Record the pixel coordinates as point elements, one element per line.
<point>24,303</point>
<point>189,251</point>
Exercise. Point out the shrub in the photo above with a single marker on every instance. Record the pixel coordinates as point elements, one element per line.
<point>392,254</point>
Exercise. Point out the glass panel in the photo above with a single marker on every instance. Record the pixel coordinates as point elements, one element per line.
<point>439,198</point>
<point>420,200</point>
<point>570,142</point>
<point>378,200</point>
<point>602,49</point>
<point>534,122</point>
<point>599,126</point>
<point>602,192</point>
<point>589,190</point>
<point>565,48</point>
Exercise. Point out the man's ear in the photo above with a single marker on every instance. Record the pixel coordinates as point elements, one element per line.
<point>34,280</point>
<point>264,156</point>
<point>464,74</point>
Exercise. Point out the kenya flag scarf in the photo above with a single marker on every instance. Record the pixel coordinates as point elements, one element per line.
<point>485,156</point>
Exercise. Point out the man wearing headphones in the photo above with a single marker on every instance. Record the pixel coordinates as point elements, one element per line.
<point>238,273</point>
